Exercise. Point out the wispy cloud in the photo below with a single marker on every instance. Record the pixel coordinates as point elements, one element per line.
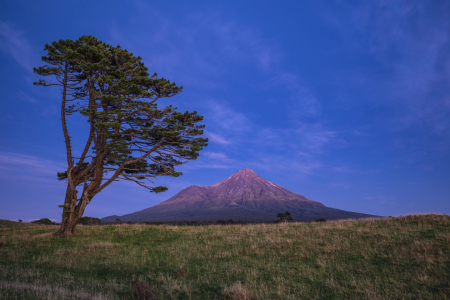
<point>300,100</point>
<point>215,138</point>
<point>410,43</point>
<point>214,160</point>
<point>31,169</point>
<point>307,139</point>
<point>216,155</point>
<point>21,95</point>
<point>346,169</point>
<point>295,164</point>
<point>238,42</point>
<point>223,116</point>
<point>204,51</point>
<point>14,44</point>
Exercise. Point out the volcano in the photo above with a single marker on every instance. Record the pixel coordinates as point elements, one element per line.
<point>243,196</point>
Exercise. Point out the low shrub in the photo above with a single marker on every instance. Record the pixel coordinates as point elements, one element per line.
<point>44,221</point>
<point>89,221</point>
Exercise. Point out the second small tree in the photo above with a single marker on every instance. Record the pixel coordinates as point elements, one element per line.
<point>284,217</point>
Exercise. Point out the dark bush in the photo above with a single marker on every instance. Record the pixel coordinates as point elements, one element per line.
<point>321,220</point>
<point>153,223</point>
<point>228,222</point>
<point>89,221</point>
<point>44,221</point>
<point>284,217</point>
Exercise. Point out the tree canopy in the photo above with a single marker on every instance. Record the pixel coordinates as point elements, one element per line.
<point>284,217</point>
<point>129,137</point>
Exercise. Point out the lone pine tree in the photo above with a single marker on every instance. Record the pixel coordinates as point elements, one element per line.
<point>129,137</point>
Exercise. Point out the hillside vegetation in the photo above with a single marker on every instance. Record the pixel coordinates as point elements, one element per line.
<point>7,224</point>
<point>391,258</point>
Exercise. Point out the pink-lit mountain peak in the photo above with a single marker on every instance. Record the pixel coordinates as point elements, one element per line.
<point>242,196</point>
<point>242,177</point>
<point>247,182</point>
<point>241,189</point>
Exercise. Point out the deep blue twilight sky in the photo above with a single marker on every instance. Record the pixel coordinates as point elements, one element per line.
<point>344,102</point>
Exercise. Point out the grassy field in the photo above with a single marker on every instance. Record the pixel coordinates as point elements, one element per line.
<point>391,258</point>
<point>7,224</point>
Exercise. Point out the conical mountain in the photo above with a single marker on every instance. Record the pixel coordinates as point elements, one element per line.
<point>243,196</point>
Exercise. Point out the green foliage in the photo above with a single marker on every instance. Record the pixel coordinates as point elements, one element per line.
<point>44,221</point>
<point>62,175</point>
<point>119,95</point>
<point>5,224</point>
<point>284,217</point>
<point>159,189</point>
<point>130,137</point>
<point>89,221</point>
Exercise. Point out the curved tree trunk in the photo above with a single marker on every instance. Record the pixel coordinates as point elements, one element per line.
<point>72,211</point>
<point>68,212</point>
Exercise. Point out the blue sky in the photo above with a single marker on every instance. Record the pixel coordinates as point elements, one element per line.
<point>344,102</point>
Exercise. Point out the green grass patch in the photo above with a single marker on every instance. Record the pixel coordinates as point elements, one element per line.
<point>391,258</point>
<point>7,224</point>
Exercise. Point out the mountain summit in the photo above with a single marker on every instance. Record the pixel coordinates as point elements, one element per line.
<point>243,196</point>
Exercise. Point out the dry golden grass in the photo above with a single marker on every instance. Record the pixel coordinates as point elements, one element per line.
<point>236,292</point>
<point>391,258</point>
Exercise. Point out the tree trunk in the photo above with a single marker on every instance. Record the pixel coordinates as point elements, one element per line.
<point>68,227</point>
<point>72,211</point>
<point>68,215</point>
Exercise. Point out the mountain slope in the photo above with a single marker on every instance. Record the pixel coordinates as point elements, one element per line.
<point>242,196</point>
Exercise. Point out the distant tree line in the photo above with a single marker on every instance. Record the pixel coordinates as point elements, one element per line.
<point>283,217</point>
<point>44,221</point>
<point>229,222</point>
<point>82,221</point>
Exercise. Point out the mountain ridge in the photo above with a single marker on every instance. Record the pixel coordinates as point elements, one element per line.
<point>244,196</point>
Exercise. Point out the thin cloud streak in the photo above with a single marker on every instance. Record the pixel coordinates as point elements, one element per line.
<point>215,138</point>
<point>226,118</point>
<point>300,100</point>
<point>21,95</point>
<point>410,42</point>
<point>30,169</point>
<point>14,44</point>
<point>229,44</point>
